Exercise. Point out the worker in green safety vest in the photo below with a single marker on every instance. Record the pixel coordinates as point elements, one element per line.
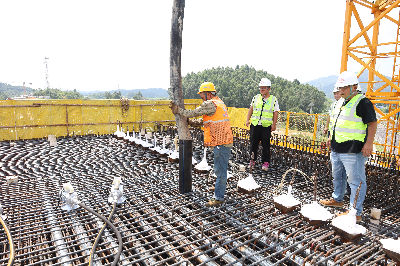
<point>331,117</point>
<point>351,141</point>
<point>333,112</point>
<point>262,117</point>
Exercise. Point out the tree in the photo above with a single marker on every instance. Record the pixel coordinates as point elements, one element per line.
<point>116,95</point>
<point>58,94</point>
<point>138,96</point>
<point>238,86</point>
<point>107,95</point>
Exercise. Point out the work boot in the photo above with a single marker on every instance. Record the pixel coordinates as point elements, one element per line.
<point>214,203</point>
<point>331,203</point>
<point>347,212</point>
<point>265,166</point>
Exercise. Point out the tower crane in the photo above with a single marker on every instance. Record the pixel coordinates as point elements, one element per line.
<point>362,46</point>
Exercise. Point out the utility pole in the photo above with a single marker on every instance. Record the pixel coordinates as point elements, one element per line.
<point>47,85</point>
<point>185,140</point>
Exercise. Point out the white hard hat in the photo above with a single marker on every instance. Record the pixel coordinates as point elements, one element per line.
<point>345,79</point>
<point>265,82</point>
<point>336,89</point>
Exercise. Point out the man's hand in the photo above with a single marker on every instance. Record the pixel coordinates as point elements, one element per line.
<point>367,149</point>
<point>325,130</point>
<point>328,143</point>
<point>174,108</point>
<point>273,127</point>
<point>247,123</point>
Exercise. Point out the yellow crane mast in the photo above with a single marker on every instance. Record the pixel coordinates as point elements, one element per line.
<point>362,45</point>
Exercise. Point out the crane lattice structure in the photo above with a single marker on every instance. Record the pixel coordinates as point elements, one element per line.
<point>47,84</point>
<point>364,47</point>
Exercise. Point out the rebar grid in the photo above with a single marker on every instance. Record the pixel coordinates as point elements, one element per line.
<point>159,226</point>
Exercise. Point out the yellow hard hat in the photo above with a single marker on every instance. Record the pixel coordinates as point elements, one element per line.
<point>206,86</point>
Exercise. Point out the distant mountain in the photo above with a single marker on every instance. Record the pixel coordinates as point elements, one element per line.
<point>326,84</point>
<point>147,93</point>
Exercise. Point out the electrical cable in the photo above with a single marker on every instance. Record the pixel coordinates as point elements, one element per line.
<point>11,242</point>
<point>114,263</point>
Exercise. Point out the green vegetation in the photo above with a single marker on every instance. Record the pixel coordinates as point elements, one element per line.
<point>9,91</point>
<point>238,86</point>
<point>114,95</point>
<point>58,94</point>
<point>135,94</point>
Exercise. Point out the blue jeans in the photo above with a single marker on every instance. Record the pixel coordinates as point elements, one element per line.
<point>221,160</point>
<point>354,165</point>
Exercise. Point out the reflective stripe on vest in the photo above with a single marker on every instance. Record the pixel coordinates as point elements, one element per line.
<point>263,111</point>
<point>349,126</point>
<point>217,128</point>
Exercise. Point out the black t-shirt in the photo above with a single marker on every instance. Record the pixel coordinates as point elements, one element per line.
<point>365,110</point>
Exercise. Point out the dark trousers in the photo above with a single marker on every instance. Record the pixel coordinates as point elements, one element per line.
<point>259,133</point>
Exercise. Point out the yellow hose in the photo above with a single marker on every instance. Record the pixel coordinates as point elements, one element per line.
<point>11,242</point>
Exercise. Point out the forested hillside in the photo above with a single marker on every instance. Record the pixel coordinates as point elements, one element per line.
<point>9,91</point>
<point>238,86</point>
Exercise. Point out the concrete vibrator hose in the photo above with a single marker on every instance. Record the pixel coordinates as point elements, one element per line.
<point>96,242</point>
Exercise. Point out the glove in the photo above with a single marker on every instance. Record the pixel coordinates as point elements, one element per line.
<point>195,122</point>
<point>174,108</point>
<point>190,122</point>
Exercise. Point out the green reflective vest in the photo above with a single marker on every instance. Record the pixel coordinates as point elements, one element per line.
<point>333,112</point>
<point>263,111</point>
<point>348,125</point>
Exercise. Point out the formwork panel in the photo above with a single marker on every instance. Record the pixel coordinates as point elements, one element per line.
<point>237,117</point>
<point>97,115</point>
<point>7,119</point>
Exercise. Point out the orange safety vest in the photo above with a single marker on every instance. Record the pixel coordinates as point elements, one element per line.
<point>217,128</point>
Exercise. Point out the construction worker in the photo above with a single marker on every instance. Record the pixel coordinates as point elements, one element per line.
<point>328,128</point>
<point>262,117</point>
<point>328,125</point>
<point>217,134</point>
<point>353,132</point>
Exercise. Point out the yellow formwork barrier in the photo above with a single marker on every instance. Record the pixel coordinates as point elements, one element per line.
<point>237,117</point>
<point>38,118</point>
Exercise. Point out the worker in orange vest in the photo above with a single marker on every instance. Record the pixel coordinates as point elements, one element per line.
<point>217,134</point>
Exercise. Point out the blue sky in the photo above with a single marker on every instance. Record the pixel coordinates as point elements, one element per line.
<point>100,45</point>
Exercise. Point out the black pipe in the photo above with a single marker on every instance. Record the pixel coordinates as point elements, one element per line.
<point>185,166</point>
<point>99,236</point>
<point>113,228</point>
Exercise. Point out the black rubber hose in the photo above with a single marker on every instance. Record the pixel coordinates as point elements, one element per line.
<point>96,242</point>
<point>114,263</point>
<point>11,242</point>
